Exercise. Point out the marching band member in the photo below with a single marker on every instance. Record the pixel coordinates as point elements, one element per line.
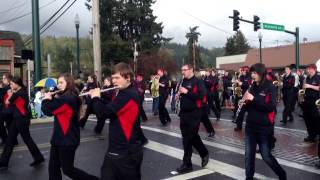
<point>18,102</point>
<point>124,155</point>
<point>65,107</point>
<point>288,92</point>
<point>191,91</point>
<point>310,111</point>
<point>244,82</point>
<point>92,83</point>
<point>260,103</point>
<point>164,89</point>
<point>211,84</point>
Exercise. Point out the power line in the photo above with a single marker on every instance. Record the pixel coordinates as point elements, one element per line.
<point>47,21</point>
<point>42,31</point>
<point>24,15</point>
<point>12,8</point>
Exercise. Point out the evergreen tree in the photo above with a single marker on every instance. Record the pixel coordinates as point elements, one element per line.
<point>237,44</point>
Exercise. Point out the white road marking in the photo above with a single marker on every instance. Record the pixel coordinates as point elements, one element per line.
<point>213,165</point>
<point>193,174</point>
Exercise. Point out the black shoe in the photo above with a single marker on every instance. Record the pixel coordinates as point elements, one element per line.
<point>37,162</point>
<point>211,134</point>
<point>258,151</point>
<point>184,169</point>
<point>309,139</point>
<point>290,119</point>
<point>3,166</point>
<point>237,128</point>
<point>317,165</point>
<point>144,120</point>
<point>204,160</point>
<point>144,142</point>
<point>283,122</point>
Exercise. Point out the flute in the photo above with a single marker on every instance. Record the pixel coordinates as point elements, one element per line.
<point>103,90</point>
<point>52,93</point>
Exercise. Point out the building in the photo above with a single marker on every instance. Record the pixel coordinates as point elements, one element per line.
<point>233,62</point>
<point>275,57</point>
<point>10,54</point>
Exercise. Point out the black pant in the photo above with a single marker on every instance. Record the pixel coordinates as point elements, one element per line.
<point>189,125</point>
<point>288,100</point>
<point>264,141</point>
<point>142,112</point>
<point>311,118</point>
<point>214,103</point>
<point>5,122</point>
<point>122,167</point>
<point>62,157</point>
<point>205,120</point>
<point>84,119</point>
<point>163,112</point>
<point>22,128</point>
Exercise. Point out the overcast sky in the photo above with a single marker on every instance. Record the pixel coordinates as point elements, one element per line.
<point>178,15</point>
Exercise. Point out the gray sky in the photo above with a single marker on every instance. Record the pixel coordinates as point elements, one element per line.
<point>178,15</point>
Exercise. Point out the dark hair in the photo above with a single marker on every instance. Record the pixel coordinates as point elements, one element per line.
<point>124,69</point>
<point>8,76</point>
<point>18,81</point>
<point>189,66</point>
<point>71,87</point>
<point>260,69</point>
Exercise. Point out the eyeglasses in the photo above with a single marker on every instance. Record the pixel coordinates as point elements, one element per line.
<point>184,69</point>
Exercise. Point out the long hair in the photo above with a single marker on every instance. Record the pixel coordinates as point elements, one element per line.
<point>260,69</point>
<point>18,81</point>
<point>71,86</point>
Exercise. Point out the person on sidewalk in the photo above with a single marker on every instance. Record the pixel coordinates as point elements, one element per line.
<point>65,107</point>
<point>154,91</point>
<point>141,88</point>
<point>191,94</point>
<point>18,102</point>
<point>37,102</point>
<point>260,102</point>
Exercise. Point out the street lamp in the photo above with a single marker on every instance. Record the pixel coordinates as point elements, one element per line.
<point>77,23</point>
<point>260,40</point>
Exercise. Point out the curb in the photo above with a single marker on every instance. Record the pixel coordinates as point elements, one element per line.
<point>41,121</point>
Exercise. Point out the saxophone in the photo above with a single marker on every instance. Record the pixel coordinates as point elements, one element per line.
<point>237,91</point>
<point>302,93</point>
<point>318,104</point>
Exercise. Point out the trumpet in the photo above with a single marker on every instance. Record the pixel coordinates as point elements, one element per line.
<point>276,83</point>
<point>103,90</point>
<point>318,103</point>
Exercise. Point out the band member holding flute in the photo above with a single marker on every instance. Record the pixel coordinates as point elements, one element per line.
<point>92,83</point>
<point>18,102</point>
<point>65,107</point>
<point>260,104</point>
<point>124,155</point>
<point>191,91</point>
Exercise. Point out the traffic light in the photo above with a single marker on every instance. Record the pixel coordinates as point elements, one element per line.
<point>256,23</point>
<point>236,20</point>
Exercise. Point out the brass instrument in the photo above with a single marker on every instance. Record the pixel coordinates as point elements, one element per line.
<point>302,93</point>
<point>241,103</point>
<point>237,91</point>
<point>103,90</point>
<point>318,103</point>
<point>276,83</point>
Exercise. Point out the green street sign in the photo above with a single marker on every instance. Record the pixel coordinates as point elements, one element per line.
<point>274,27</point>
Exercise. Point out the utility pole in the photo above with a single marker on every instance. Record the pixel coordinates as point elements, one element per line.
<point>49,64</point>
<point>36,40</point>
<point>96,39</point>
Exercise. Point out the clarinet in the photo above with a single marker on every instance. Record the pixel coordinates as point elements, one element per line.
<point>241,103</point>
<point>178,96</point>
